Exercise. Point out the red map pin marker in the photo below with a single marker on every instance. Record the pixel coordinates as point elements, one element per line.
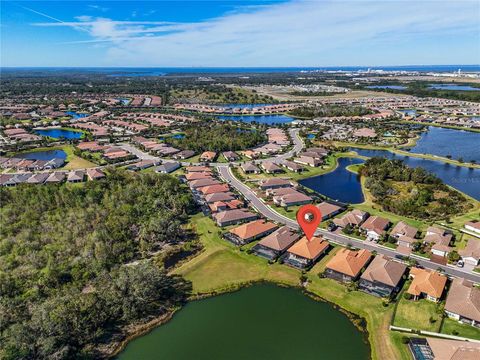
<point>309,217</point>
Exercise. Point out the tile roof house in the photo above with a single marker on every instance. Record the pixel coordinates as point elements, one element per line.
<point>198,168</point>
<point>404,229</point>
<point>353,218</point>
<point>250,168</point>
<point>440,240</point>
<point>347,264</point>
<point>276,243</point>
<point>304,253</point>
<point>471,253</point>
<point>248,232</point>
<point>292,199</point>
<point>76,176</point>
<point>382,277</point>
<point>95,174</point>
<point>274,183</point>
<point>198,175</point>
<point>329,210</point>
<point>232,217</point>
<point>37,178</point>
<point>55,177</point>
<point>271,167</point>
<point>208,156</point>
<point>214,189</point>
<point>194,184</point>
<point>308,160</point>
<point>290,165</point>
<point>225,196</point>
<point>184,154</point>
<point>375,227</point>
<point>473,227</point>
<point>463,302</point>
<point>426,283</point>
<point>443,349</point>
<point>230,156</point>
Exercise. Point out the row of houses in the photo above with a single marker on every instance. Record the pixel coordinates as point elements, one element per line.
<point>56,177</point>
<point>109,152</point>
<point>154,147</point>
<point>23,164</point>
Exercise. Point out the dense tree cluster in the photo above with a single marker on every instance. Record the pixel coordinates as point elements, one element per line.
<point>73,262</point>
<point>212,136</point>
<point>411,192</point>
<point>329,111</point>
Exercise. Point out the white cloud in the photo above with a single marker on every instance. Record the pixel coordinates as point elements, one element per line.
<point>298,33</point>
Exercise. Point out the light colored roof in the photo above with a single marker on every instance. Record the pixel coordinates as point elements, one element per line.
<point>474,224</point>
<point>274,182</point>
<point>472,249</point>
<point>384,270</point>
<point>252,229</point>
<point>464,299</point>
<point>232,215</point>
<point>375,223</point>
<point>327,209</point>
<point>309,249</point>
<point>349,262</point>
<point>280,239</point>
<point>427,282</point>
<point>353,217</point>
<point>444,349</point>
<point>404,229</point>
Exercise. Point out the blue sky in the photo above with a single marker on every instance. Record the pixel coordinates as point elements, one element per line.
<point>239,33</point>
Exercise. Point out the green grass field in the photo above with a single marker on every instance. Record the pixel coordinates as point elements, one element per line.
<point>453,327</point>
<point>417,314</point>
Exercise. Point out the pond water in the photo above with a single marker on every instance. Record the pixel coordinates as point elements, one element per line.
<point>178,136</point>
<point>43,155</point>
<point>60,133</point>
<point>464,179</point>
<point>456,143</point>
<point>259,322</point>
<point>453,87</point>
<point>76,115</point>
<point>393,87</point>
<point>340,184</point>
<point>310,136</point>
<point>261,119</point>
<point>124,101</point>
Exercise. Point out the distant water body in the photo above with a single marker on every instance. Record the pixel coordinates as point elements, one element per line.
<point>162,71</point>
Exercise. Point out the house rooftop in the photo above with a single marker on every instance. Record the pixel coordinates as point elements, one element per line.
<point>309,249</point>
<point>280,239</point>
<point>384,270</point>
<point>349,262</point>
<point>464,299</point>
<point>252,229</point>
<point>427,282</point>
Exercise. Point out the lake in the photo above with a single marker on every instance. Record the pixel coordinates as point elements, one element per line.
<point>76,115</point>
<point>464,179</point>
<point>393,87</point>
<point>340,184</point>
<point>261,119</point>
<point>43,155</point>
<point>455,87</point>
<point>259,322</point>
<point>59,133</point>
<point>442,142</point>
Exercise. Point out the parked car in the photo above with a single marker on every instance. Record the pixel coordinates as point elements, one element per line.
<point>460,263</point>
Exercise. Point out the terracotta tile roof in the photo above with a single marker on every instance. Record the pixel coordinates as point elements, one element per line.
<point>214,189</point>
<point>349,262</point>
<point>426,282</point>
<point>384,270</point>
<point>309,249</point>
<point>464,299</point>
<point>226,196</point>
<point>198,169</point>
<point>280,239</point>
<point>253,229</point>
<point>198,176</point>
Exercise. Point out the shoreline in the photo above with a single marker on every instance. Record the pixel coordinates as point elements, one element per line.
<point>356,320</point>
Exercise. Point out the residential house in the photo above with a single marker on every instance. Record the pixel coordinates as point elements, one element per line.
<point>426,283</point>
<point>471,253</point>
<point>230,156</point>
<point>37,178</point>
<point>352,218</point>
<point>184,154</point>
<point>305,253</point>
<point>198,175</point>
<point>440,240</point>
<point>271,167</point>
<point>232,217</point>
<point>250,168</point>
<point>95,174</point>
<point>275,244</point>
<point>347,264</point>
<point>55,177</point>
<point>292,199</point>
<point>463,302</point>
<point>375,227</point>
<point>76,176</point>
<point>208,156</point>
<point>403,229</point>
<point>329,210</point>
<point>473,227</point>
<point>210,189</point>
<point>443,349</point>
<point>292,166</point>
<point>382,277</point>
<point>308,160</point>
<point>198,168</point>
<point>168,167</point>
<point>214,197</point>
<point>248,232</point>
<point>274,183</point>
<point>194,184</point>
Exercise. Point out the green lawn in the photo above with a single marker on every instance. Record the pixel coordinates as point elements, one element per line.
<point>453,327</point>
<point>416,315</point>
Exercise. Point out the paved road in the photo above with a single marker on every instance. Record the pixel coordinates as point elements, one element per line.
<point>138,153</point>
<point>345,240</point>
